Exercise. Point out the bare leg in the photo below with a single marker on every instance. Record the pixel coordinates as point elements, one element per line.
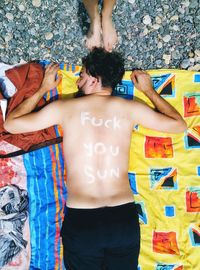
<point>109,32</point>
<point>94,34</point>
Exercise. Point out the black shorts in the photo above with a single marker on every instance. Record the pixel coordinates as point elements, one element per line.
<point>101,238</point>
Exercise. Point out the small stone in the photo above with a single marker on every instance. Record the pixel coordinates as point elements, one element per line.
<point>181,10</point>
<point>156,26</point>
<point>47,56</point>
<point>191,68</point>
<point>48,35</point>
<point>159,45</point>
<point>130,58</point>
<point>167,61</point>
<point>166,7</point>
<point>4,59</point>
<point>186,3</point>
<point>197,52</point>
<point>131,1</point>
<point>158,20</point>
<point>9,16</point>
<point>147,20</point>
<point>30,20</point>
<point>191,54</point>
<point>175,55</point>
<point>193,35</point>
<point>185,63</point>
<point>197,58</point>
<point>195,67</point>
<point>22,61</point>
<point>167,58</point>
<point>21,7</point>
<point>8,37</point>
<point>145,32</point>
<point>36,3</point>
<point>32,32</point>
<point>192,60</point>
<point>166,38</point>
<point>174,18</point>
<point>70,48</point>
<point>176,28</point>
<point>158,62</point>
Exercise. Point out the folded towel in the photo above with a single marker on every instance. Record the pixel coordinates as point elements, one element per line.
<point>27,80</point>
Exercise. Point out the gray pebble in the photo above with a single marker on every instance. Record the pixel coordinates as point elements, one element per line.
<point>156,26</point>
<point>197,53</point>
<point>5,59</point>
<point>146,20</point>
<point>185,63</point>
<point>36,3</point>
<point>158,62</point>
<point>167,58</point>
<point>181,10</point>
<point>131,1</point>
<point>186,3</point>
<point>8,37</point>
<point>9,16</point>
<point>160,45</point>
<point>21,7</point>
<point>48,35</point>
<point>175,55</point>
<point>195,67</point>
<point>166,7</point>
<point>166,38</point>
<point>192,60</point>
<point>176,28</point>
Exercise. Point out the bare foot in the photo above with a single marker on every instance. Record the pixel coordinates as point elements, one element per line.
<point>109,33</point>
<point>94,34</point>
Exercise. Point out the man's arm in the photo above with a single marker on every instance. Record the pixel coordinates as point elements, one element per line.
<point>167,119</point>
<point>21,119</point>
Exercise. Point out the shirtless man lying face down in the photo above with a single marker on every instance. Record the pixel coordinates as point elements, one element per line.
<point>100,229</point>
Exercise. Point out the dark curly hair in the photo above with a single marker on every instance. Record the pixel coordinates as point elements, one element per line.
<point>109,66</point>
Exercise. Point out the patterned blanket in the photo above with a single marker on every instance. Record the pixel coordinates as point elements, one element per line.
<point>164,175</point>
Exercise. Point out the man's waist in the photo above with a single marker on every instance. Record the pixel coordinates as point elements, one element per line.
<point>91,201</point>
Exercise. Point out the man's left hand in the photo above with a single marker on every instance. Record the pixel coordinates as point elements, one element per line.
<point>50,81</point>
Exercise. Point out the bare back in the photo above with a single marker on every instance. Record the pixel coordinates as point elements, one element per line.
<point>96,145</point>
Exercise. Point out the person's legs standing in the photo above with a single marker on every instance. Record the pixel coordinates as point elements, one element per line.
<point>108,30</point>
<point>94,34</point>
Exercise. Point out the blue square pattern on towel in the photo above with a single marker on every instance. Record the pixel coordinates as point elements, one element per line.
<point>169,211</point>
<point>197,78</point>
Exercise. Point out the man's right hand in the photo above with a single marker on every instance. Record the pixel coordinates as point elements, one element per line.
<point>142,81</point>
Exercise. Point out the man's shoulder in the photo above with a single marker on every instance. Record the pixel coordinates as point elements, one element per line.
<point>124,102</point>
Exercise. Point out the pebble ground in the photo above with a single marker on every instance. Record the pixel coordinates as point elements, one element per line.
<point>153,34</point>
